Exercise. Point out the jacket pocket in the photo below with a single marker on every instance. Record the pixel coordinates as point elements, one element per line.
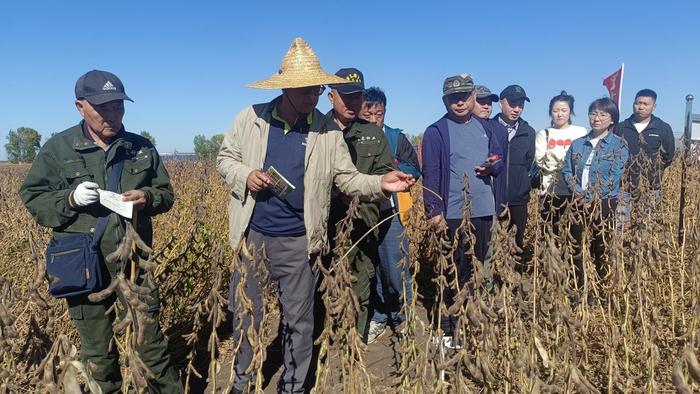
<point>138,165</point>
<point>136,172</point>
<point>368,148</point>
<point>76,172</point>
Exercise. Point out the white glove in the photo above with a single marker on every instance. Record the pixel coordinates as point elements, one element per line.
<point>86,194</point>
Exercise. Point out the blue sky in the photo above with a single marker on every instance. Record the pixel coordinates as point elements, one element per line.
<point>186,64</point>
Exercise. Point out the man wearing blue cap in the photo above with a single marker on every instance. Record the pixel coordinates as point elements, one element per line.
<point>61,192</point>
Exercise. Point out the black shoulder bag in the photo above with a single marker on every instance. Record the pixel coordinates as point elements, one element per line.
<point>72,261</point>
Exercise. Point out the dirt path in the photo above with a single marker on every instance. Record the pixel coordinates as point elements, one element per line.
<point>382,359</point>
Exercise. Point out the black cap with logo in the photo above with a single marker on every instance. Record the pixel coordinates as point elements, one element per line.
<point>357,81</point>
<point>514,92</point>
<point>99,87</point>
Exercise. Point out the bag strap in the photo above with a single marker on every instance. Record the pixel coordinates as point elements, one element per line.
<point>115,177</point>
<point>392,137</point>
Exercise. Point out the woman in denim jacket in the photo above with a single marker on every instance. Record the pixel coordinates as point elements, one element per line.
<point>593,168</point>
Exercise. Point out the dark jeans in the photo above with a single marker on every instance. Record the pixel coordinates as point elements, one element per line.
<point>481,229</point>
<point>388,289</point>
<point>290,267</point>
<point>599,221</point>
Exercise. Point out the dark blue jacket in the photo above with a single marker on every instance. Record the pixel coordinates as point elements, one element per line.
<point>512,186</point>
<point>436,163</point>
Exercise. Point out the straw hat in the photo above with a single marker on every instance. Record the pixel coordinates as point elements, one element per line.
<point>300,68</point>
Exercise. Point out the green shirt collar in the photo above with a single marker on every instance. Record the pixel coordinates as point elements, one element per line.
<point>287,127</point>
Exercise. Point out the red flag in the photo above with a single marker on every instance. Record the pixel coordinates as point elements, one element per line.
<point>614,84</point>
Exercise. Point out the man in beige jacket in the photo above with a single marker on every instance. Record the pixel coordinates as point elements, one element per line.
<point>280,160</point>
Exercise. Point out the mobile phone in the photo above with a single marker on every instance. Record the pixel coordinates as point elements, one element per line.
<point>490,163</point>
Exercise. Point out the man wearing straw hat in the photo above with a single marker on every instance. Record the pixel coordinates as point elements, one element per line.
<point>280,160</point>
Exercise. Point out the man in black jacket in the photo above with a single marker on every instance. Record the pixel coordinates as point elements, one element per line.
<point>517,138</point>
<point>650,141</point>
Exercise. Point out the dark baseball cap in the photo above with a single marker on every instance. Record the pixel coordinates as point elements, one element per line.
<point>482,92</point>
<point>461,83</point>
<point>99,87</point>
<point>514,92</point>
<point>357,81</point>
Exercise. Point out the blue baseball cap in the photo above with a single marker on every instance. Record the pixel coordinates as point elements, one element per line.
<point>99,87</point>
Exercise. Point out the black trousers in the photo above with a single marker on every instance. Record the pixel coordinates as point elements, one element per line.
<point>481,229</point>
<point>553,208</point>
<point>518,218</point>
<point>599,221</point>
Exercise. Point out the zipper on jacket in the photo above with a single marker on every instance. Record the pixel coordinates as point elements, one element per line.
<point>65,252</point>
<point>507,171</point>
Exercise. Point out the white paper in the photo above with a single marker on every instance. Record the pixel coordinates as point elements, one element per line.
<point>114,202</point>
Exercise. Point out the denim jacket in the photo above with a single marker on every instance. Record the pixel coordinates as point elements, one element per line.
<point>606,168</point>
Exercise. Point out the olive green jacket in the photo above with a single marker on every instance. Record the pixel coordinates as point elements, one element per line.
<point>326,162</point>
<point>370,153</point>
<point>69,158</point>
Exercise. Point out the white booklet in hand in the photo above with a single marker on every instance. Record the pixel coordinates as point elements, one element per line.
<point>114,202</point>
<point>279,185</point>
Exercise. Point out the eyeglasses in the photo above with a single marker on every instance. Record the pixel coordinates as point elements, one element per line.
<point>599,115</point>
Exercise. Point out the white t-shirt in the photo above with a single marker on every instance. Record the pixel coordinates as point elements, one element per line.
<point>589,161</point>
<point>550,152</point>
<point>641,126</point>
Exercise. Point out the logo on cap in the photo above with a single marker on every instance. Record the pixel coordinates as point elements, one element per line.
<point>354,77</point>
<point>461,83</point>
<point>518,89</point>
<point>109,86</point>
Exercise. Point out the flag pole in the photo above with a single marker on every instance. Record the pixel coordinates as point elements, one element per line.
<point>687,135</point>
<point>622,77</point>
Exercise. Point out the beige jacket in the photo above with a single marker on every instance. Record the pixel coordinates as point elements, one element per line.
<point>326,161</point>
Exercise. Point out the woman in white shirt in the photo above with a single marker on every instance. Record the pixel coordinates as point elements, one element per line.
<point>551,145</point>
